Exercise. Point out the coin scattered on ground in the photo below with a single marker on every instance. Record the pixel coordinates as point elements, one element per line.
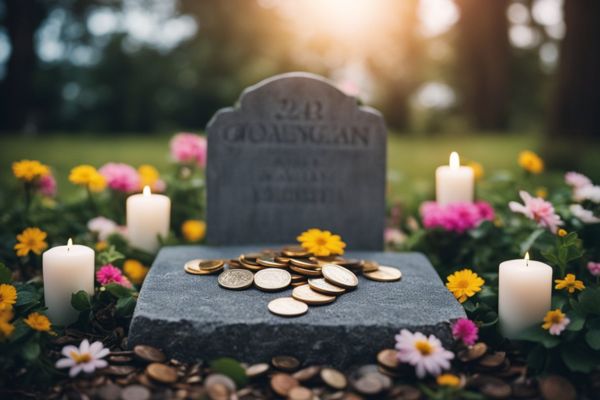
<point>300,393</point>
<point>211,265</point>
<point>257,370</point>
<point>285,363</point>
<point>384,274</point>
<point>149,353</point>
<point>161,373</point>
<point>135,392</point>
<point>339,276</point>
<point>307,373</point>
<point>333,378</point>
<point>282,384</point>
<point>287,307</point>
<point>305,294</point>
<point>322,286</point>
<point>193,267</point>
<point>388,358</point>
<point>271,279</point>
<point>236,279</point>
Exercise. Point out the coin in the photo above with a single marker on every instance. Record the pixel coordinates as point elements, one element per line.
<point>300,393</point>
<point>248,265</point>
<point>211,265</point>
<point>149,353</point>
<point>306,294</point>
<point>299,283</point>
<point>162,373</point>
<point>295,251</point>
<point>322,286</point>
<point>384,274</point>
<point>307,373</point>
<point>283,383</point>
<point>271,279</point>
<point>388,358</point>
<point>270,262</point>
<point>370,266</point>
<point>339,276</point>
<point>257,370</point>
<point>304,271</point>
<point>233,263</point>
<point>473,352</point>
<point>334,378</point>
<point>236,279</point>
<point>285,363</point>
<point>192,267</point>
<point>304,263</point>
<point>287,307</point>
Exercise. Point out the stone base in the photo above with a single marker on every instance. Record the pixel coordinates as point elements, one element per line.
<point>191,318</point>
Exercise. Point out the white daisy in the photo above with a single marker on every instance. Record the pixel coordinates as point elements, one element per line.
<point>585,216</point>
<point>86,358</point>
<point>426,354</point>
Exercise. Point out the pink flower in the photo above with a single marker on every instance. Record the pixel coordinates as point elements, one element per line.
<point>47,185</point>
<point>426,354</point>
<point>537,209</point>
<point>110,274</point>
<point>121,177</point>
<point>189,148</point>
<point>455,217</point>
<point>466,331</point>
<point>394,236</point>
<point>594,268</point>
<point>585,216</point>
<point>577,180</point>
<point>590,192</point>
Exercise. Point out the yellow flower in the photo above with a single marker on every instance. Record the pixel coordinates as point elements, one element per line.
<point>464,284</point>
<point>555,322</point>
<point>321,243</point>
<point>88,176</point>
<point>6,329</point>
<point>28,170</point>
<point>477,168</point>
<point>101,245</point>
<point>531,162</point>
<point>8,296</point>
<point>193,230</point>
<point>149,176</point>
<point>562,233</point>
<point>570,283</point>
<point>7,314</point>
<point>135,271</point>
<point>38,322</point>
<point>31,239</point>
<point>448,380</point>
<point>541,192</point>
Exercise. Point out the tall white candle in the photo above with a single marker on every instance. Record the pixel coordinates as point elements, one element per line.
<point>524,294</point>
<point>453,183</point>
<point>66,270</point>
<point>148,216</point>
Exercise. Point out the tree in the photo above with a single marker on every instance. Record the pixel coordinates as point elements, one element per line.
<point>485,58</point>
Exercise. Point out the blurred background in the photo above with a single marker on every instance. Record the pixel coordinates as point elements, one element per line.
<point>110,80</point>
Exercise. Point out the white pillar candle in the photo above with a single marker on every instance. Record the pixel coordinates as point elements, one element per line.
<point>66,270</point>
<point>524,294</point>
<point>453,183</point>
<point>148,217</point>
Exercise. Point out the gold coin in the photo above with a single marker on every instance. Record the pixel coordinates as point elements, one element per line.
<point>295,251</point>
<point>304,271</point>
<point>250,266</point>
<point>304,263</point>
<point>299,283</point>
<point>287,307</point>
<point>306,294</point>
<point>192,267</point>
<point>270,262</point>
<point>339,276</point>
<point>211,265</point>
<point>370,266</point>
<point>236,279</point>
<point>298,277</point>
<point>322,286</point>
<point>384,274</point>
<point>234,263</point>
<point>334,378</point>
<point>271,279</point>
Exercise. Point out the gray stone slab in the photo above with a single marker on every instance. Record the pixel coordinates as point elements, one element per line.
<point>191,317</point>
<point>296,153</point>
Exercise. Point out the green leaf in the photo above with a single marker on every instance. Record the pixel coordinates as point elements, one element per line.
<point>5,274</point>
<point>81,301</point>
<point>592,338</point>
<point>118,291</point>
<point>31,349</point>
<point>536,359</point>
<point>538,335</point>
<point>125,306</point>
<point>109,256</point>
<point>27,295</point>
<point>589,301</point>
<point>578,357</point>
<point>528,243</point>
<point>230,368</point>
<point>577,322</point>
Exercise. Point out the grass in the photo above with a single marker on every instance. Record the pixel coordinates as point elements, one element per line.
<point>411,160</point>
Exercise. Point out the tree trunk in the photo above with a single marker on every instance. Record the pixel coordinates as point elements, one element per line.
<point>576,107</point>
<point>484,57</point>
<point>22,19</point>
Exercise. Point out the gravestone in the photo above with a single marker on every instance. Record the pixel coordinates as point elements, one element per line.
<point>296,153</point>
<point>191,318</point>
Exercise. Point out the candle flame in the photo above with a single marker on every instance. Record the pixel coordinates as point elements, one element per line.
<point>147,191</point>
<point>527,259</point>
<point>69,244</point>
<point>454,160</point>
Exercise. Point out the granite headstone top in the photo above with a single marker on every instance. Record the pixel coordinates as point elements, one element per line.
<point>296,153</point>
<point>191,318</point>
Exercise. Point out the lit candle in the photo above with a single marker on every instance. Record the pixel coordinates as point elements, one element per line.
<point>524,294</point>
<point>66,270</point>
<point>148,217</point>
<point>453,183</point>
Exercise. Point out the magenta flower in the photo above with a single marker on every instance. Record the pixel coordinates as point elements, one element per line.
<point>121,177</point>
<point>594,268</point>
<point>577,180</point>
<point>466,331</point>
<point>394,236</point>
<point>47,185</point>
<point>455,217</point>
<point>189,148</point>
<point>110,274</point>
<point>537,209</point>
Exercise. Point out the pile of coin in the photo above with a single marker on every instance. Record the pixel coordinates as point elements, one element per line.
<point>315,280</point>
